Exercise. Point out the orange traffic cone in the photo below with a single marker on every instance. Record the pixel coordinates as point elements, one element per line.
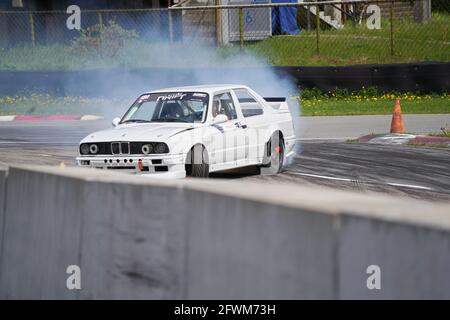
<point>397,125</point>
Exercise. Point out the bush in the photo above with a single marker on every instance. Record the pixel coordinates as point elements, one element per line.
<point>312,93</point>
<point>369,92</point>
<point>101,39</point>
<point>339,93</point>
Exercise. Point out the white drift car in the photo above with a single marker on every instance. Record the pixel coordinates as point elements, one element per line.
<point>192,131</point>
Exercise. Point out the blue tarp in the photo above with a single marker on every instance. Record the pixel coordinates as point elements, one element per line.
<point>284,19</point>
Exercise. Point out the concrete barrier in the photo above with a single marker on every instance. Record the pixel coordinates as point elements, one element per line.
<point>3,175</point>
<point>41,235</point>
<point>414,260</point>
<point>136,238</point>
<point>242,249</point>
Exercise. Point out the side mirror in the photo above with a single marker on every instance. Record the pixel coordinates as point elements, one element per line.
<point>220,118</point>
<point>115,122</point>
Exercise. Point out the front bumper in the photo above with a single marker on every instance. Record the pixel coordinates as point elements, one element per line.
<point>158,166</point>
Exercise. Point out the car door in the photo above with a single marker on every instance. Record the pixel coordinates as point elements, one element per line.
<point>254,119</point>
<point>242,135</point>
<point>229,138</point>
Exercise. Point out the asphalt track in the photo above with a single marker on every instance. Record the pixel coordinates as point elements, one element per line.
<point>347,127</point>
<point>326,158</point>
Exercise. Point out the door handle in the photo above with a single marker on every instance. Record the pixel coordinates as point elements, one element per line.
<point>244,126</point>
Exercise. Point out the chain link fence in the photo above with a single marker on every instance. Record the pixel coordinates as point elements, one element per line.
<point>198,34</point>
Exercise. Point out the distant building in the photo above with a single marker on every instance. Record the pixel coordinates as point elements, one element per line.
<point>46,24</point>
<point>84,4</point>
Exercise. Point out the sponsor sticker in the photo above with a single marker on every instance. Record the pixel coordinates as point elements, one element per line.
<point>144,97</point>
<point>172,96</point>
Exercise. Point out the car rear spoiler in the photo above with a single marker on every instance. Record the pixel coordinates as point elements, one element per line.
<point>278,103</point>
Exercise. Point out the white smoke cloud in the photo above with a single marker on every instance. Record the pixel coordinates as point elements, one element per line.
<point>162,64</point>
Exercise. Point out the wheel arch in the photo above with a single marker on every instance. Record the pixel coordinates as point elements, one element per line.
<point>197,144</point>
<point>273,129</point>
<point>273,132</point>
<point>192,161</point>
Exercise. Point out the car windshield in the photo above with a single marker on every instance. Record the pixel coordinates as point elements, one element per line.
<point>168,107</point>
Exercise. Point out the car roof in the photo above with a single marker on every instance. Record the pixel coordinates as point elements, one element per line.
<point>210,88</point>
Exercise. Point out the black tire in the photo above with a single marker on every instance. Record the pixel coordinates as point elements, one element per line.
<point>197,162</point>
<point>273,155</point>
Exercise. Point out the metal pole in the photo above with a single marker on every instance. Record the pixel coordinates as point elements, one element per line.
<point>100,19</point>
<point>317,29</point>
<point>32,31</point>
<point>170,28</point>
<point>392,28</point>
<point>100,39</point>
<point>241,27</point>
<point>218,24</point>
<point>308,18</point>
<point>273,5</point>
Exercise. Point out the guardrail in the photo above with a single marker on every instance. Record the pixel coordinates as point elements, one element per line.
<point>413,77</point>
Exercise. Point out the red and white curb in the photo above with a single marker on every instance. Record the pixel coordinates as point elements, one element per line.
<point>403,139</point>
<point>392,139</point>
<point>86,117</point>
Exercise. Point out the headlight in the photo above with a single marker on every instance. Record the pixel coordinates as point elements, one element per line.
<point>161,148</point>
<point>93,148</point>
<point>147,148</point>
<point>84,148</point>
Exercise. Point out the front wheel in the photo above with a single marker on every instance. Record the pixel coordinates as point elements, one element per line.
<point>197,162</point>
<point>273,155</point>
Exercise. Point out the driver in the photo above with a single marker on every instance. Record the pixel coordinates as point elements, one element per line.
<point>174,110</point>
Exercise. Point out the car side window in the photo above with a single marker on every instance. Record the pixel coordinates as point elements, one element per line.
<point>249,105</point>
<point>223,104</point>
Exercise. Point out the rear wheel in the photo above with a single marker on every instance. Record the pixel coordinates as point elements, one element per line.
<point>273,155</point>
<point>197,162</point>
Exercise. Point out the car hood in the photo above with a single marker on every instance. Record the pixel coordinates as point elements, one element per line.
<point>139,132</point>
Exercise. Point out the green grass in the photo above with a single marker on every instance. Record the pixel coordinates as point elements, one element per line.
<point>358,45</point>
<point>312,103</point>
<point>135,54</point>
<point>45,104</point>
<point>351,45</point>
<point>445,133</point>
<point>382,104</point>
